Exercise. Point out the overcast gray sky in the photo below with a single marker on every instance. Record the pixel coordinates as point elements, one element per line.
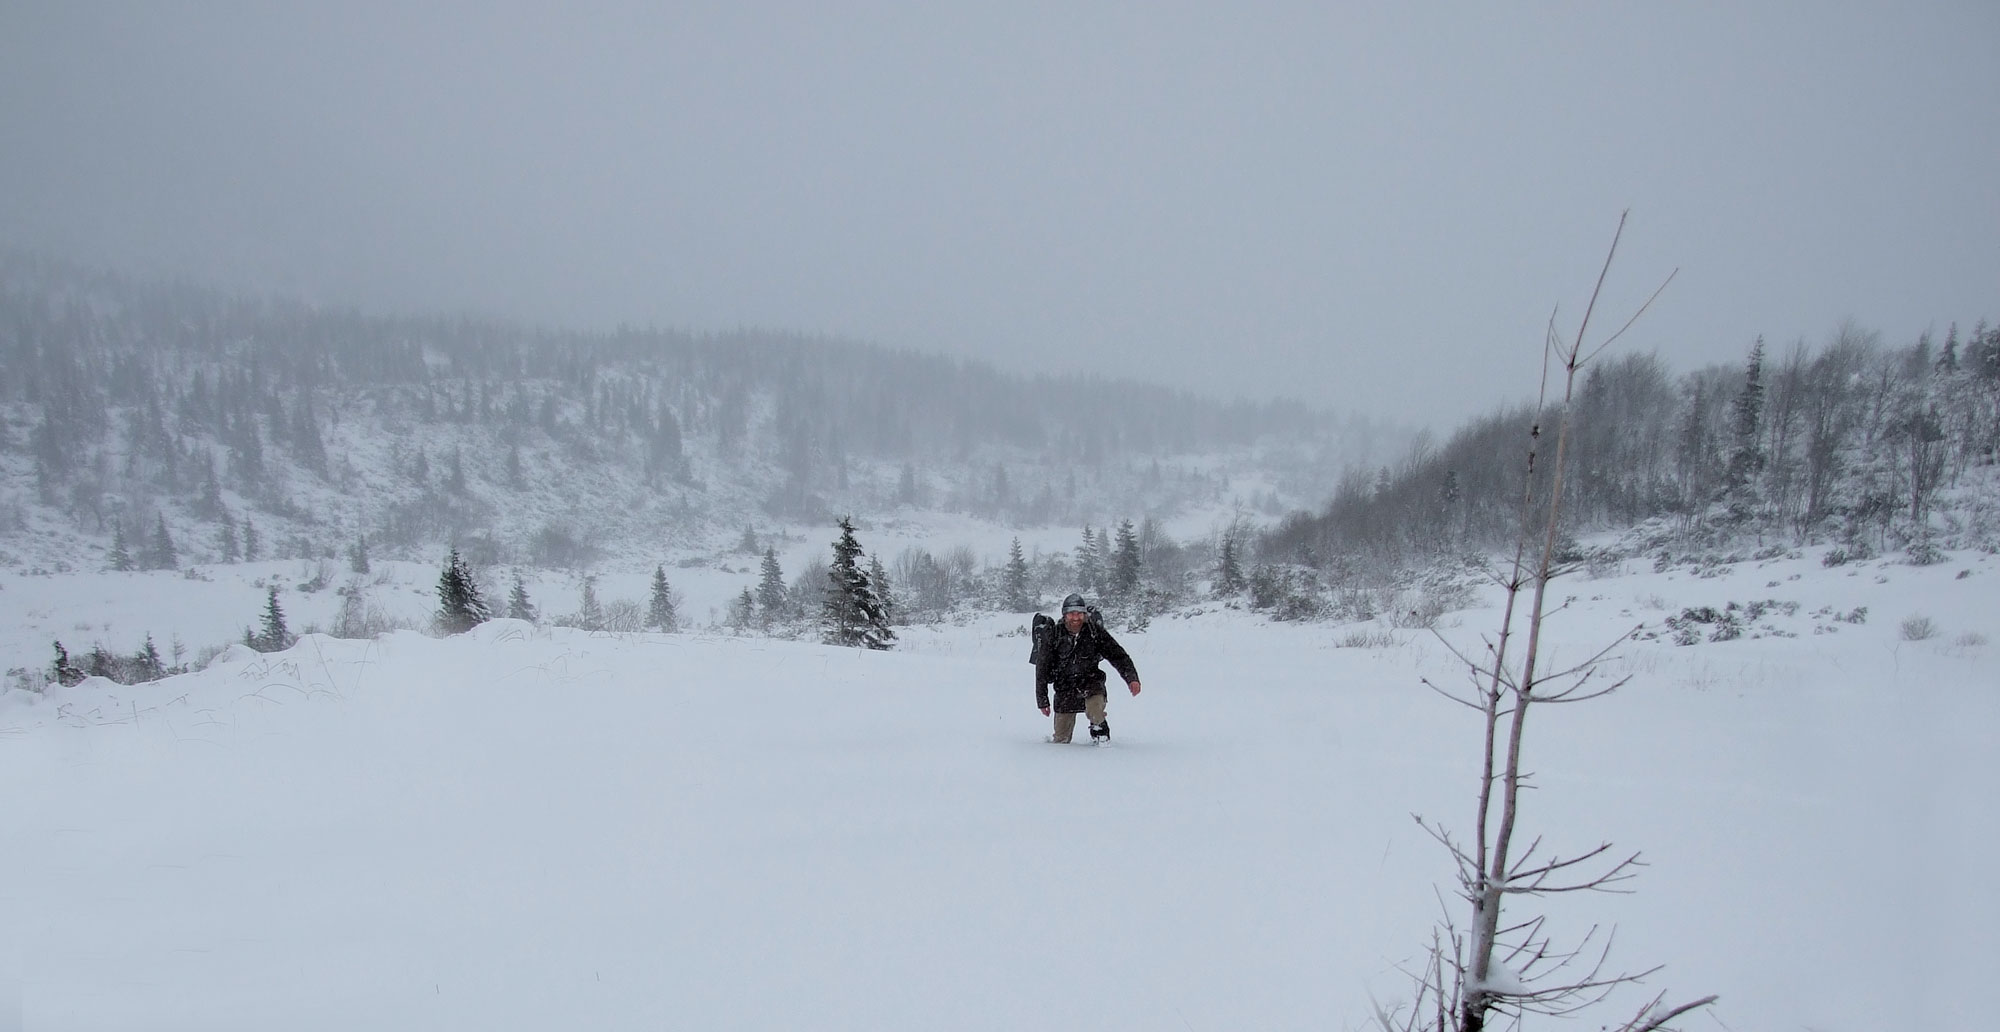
<point>1373,207</point>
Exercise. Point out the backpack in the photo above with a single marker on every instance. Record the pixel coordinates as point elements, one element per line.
<point>1042,630</point>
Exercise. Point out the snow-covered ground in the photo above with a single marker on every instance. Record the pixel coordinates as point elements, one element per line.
<point>539,828</point>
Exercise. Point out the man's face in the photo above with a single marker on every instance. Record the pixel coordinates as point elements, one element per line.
<point>1073,621</point>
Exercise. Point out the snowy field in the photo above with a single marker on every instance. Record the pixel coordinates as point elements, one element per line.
<point>526,828</point>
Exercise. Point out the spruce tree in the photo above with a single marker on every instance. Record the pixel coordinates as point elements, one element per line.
<point>772,602</point>
<point>274,636</point>
<point>852,615</point>
<point>1229,569</point>
<point>306,441</point>
<point>1089,563</point>
<point>161,556</point>
<point>660,614</point>
<point>250,542</point>
<point>121,556</point>
<point>590,612</point>
<point>1125,564</point>
<point>742,611</point>
<point>1017,580</point>
<point>518,606</point>
<point>357,555</point>
<point>1746,456</point>
<point>104,664</point>
<point>146,665</point>
<point>210,503</point>
<point>225,540</point>
<point>880,578</point>
<point>62,671</point>
<point>460,608</point>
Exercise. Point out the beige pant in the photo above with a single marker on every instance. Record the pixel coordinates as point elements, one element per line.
<point>1093,707</point>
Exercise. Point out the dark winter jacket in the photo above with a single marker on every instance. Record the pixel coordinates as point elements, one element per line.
<point>1070,662</point>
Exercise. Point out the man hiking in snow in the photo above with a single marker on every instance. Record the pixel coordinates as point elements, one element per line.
<point>1070,661</point>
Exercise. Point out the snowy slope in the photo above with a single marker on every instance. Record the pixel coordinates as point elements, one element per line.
<point>532,828</point>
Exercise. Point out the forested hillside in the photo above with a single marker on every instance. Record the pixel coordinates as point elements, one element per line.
<point>1853,442</point>
<point>170,424</point>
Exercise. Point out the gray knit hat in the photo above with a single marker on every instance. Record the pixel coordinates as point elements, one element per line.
<point>1074,604</point>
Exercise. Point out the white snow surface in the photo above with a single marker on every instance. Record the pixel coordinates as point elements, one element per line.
<point>534,828</point>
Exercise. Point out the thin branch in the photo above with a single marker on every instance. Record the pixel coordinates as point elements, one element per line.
<point>1635,315</point>
<point>1569,696</point>
<point>1601,653</point>
<point>1660,1022</point>
<point>1467,703</point>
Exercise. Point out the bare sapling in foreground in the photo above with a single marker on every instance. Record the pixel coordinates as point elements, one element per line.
<point>1503,965</point>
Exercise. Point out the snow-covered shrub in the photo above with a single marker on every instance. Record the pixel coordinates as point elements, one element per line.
<point>1918,628</point>
<point>27,679</point>
<point>623,616</point>
<point>1602,563</point>
<point>1368,638</point>
<point>1698,622</point>
<point>1755,611</point>
<point>1293,593</point>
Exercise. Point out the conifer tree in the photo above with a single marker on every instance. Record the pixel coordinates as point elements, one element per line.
<point>103,664</point>
<point>590,612</point>
<point>743,610</point>
<point>1229,569</point>
<point>210,503</point>
<point>225,539</point>
<point>357,556</point>
<point>772,603</point>
<point>518,605</point>
<point>1089,563</point>
<point>305,437</point>
<point>62,671</point>
<point>121,556</point>
<point>460,608</point>
<point>880,578</point>
<point>274,635</point>
<point>146,665</point>
<point>161,556</point>
<point>852,615</point>
<point>660,613</point>
<point>1746,457</point>
<point>1947,362</point>
<point>1017,580</point>
<point>1125,565</point>
<point>250,542</point>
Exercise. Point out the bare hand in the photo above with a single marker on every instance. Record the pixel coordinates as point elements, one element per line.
<point>1134,685</point>
<point>1045,711</point>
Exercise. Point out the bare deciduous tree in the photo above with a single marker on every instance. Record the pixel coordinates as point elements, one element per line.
<point>1499,966</point>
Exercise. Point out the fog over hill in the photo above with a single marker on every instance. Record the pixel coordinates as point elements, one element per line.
<point>260,426</point>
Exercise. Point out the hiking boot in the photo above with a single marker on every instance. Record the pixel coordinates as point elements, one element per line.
<point>1100,733</point>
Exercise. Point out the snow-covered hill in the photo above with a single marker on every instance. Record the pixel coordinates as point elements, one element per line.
<point>232,428</point>
<point>526,827</point>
